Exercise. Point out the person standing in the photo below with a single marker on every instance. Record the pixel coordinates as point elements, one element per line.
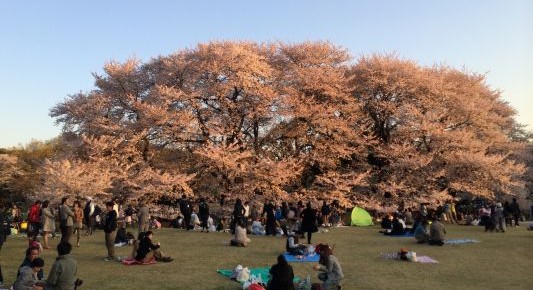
<point>110,230</point>
<point>34,219</point>
<point>269,210</point>
<point>282,275</point>
<point>49,223</point>
<point>309,221</point>
<point>246,216</point>
<point>238,214</point>
<point>128,214</point>
<point>203,212</point>
<point>63,273</point>
<point>67,221</point>
<point>78,221</point>
<point>89,215</point>
<point>325,211</point>
<point>186,211</point>
<point>500,217</point>
<point>515,211</point>
<point>143,216</point>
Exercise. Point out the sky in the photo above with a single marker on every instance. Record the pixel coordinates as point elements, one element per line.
<point>49,49</point>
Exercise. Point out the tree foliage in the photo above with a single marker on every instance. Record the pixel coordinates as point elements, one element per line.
<point>278,119</point>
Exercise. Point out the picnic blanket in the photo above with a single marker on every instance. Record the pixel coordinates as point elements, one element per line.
<point>419,259</point>
<point>407,234</point>
<point>258,272</point>
<point>460,241</point>
<point>132,261</point>
<point>304,258</point>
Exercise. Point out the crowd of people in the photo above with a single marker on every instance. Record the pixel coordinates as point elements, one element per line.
<point>295,221</point>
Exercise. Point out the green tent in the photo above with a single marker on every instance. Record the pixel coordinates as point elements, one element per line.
<point>361,217</point>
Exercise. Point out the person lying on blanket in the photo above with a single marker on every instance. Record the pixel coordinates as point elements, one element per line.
<point>293,247</point>
<point>148,250</point>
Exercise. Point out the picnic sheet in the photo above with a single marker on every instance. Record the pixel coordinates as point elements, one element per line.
<point>419,259</point>
<point>305,258</point>
<point>408,234</point>
<point>460,241</point>
<point>265,276</point>
<point>132,261</point>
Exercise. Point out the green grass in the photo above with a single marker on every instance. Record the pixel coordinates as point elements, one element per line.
<point>500,261</point>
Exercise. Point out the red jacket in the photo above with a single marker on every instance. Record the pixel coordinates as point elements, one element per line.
<point>34,216</point>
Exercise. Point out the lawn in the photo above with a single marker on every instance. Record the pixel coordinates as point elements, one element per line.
<point>500,261</point>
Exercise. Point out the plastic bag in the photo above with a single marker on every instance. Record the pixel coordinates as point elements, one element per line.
<point>243,275</point>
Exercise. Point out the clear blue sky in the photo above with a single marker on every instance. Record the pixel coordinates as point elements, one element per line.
<point>48,49</point>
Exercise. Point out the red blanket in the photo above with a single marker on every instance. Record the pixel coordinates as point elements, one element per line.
<point>132,261</point>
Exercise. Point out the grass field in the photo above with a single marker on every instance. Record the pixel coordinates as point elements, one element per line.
<point>500,261</point>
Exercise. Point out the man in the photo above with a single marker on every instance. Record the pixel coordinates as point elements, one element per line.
<point>143,215</point>
<point>67,221</point>
<point>185,208</point>
<point>63,273</point>
<point>437,232</point>
<point>88,213</point>
<point>110,229</point>
<point>34,219</point>
<point>325,211</point>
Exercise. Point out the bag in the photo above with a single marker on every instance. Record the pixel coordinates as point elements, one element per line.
<point>243,275</point>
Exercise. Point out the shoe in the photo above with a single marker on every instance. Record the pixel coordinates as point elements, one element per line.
<point>78,244</point>
<point>109,259</point>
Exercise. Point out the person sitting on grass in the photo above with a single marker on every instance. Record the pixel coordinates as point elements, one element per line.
<point>63,273</point>
<point>437,232</point>
<point>281,275</point>
<point>421,232</point>
<point>32,253</point>
<point>293,247</point>
<point>148,250</point>
<point>329,268</point>
<point>240,239</point>
<point>28,275</point>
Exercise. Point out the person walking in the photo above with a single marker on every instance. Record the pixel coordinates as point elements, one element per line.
<point>49,223</point>
<point>67,220</point>
<point>186,211</point>
<point>110,230</point>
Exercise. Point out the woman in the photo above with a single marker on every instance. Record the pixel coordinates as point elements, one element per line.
<point>281,275</point>
<point>330,269</point>
<point>78,221</point>
<point>49,222</point>
<point>240,239</point>
<point>309,221</point>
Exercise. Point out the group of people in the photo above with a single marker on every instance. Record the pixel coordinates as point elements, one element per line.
<point>329,272</point>
<point>62,275</point>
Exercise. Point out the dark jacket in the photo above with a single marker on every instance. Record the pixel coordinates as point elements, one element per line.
<point>309,220</point>
<point>110,224</point>
<point>185,206</point>
<point>282,276</point>
<point>2,229</point>
<point>203,209</point>
<point>145,246</point>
